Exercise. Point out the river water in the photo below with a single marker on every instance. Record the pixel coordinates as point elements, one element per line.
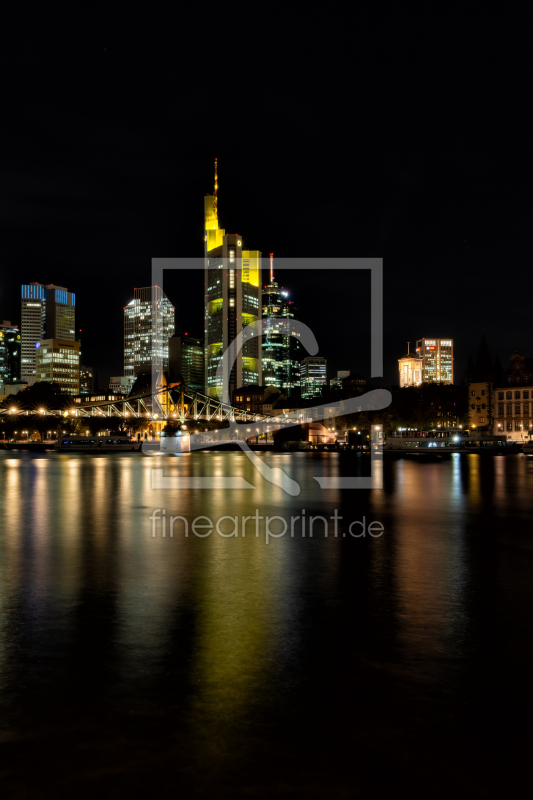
<point>344,665</point>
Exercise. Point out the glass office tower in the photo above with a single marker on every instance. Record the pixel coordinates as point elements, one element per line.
<point>10,352</point>
<point>148,325</point>
<point>186,361</point>
<point>281,351</point>
<point>313,377</point>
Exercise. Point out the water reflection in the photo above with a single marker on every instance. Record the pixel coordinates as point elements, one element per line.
<point>217,632</point>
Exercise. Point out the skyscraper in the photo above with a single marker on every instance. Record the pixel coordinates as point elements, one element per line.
<point>47,311</point>
<point>313,376</point>
<point>86,379</point>
<point>186,361</point>
<point>9,352</point>
<point>281,351</point>
<point>438,360</point>
<point>148,325</point>
<point>232,301</point>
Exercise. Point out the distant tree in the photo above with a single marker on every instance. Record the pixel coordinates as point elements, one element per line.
<point>40,400</point>
<point>40,395</point>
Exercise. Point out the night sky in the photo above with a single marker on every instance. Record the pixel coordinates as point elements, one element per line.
<point>337,136</point>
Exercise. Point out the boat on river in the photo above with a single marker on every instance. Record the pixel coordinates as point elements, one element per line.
<point>96,444</point>
<point>447,441</point>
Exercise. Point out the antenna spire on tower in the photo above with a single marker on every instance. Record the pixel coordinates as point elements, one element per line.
<point>215,198</point>
<point>271,267</point>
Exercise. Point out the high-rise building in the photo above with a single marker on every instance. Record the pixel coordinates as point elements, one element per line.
<point>437,355</point>
<point>148,325</point>
<point>33,318</point>
<point>232,301</point>
<point>10,352</point>
<point>186,361</point>
<point>60,313</point>
<point>86,379</point>
<point>48,312</point>
<point>281,352</point>
<point>58,361</point>
<point>313,376</point>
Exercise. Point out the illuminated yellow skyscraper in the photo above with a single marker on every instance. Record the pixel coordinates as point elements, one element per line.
<point>232,301</point>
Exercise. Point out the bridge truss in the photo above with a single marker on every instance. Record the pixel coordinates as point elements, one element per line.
<point>165,404</point>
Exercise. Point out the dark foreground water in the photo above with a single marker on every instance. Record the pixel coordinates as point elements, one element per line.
<point>338,667</point>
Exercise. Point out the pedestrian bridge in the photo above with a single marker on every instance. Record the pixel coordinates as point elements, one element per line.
<point>176,402</point>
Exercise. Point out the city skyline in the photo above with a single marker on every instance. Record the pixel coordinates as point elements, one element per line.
<point>337,357</point>
<point>268,234</point>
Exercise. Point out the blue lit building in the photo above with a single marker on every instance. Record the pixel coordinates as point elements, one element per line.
<point>47,312</point>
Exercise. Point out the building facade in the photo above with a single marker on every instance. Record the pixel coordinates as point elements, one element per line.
<point>513,412</point>
<point>58,361</point>
<point>47,312</point>
<point>33,320</point>
<point>259,399</point>
<point>336,383</point>
<point>186,361</point>
<point>353,384</point>
<point>513,399</point>
<point>148,325</point>
<point>437,355</point>
<point>12,388</point>
<point>480,404</point>
<point>97,397</point>
<point>10,352</point>
<point>60,313</point>
<point>86,379</point>
<point>313,376</point>
<point>281,351</point>
<point>411,369</point>
<point>123,384</point>
<point>481,376</point>
<point>232,300</point>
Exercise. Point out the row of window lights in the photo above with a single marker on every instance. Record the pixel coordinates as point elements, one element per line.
<point>509,409</point>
